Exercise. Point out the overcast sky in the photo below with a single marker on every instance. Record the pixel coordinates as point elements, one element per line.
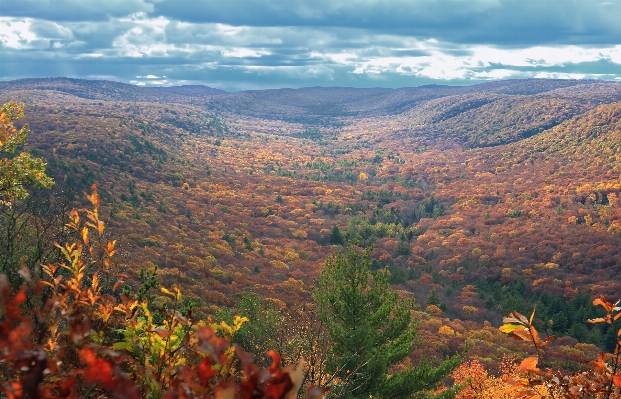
<point>255,44</point>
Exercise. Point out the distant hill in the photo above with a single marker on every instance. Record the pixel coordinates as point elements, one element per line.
<point>496,196</point>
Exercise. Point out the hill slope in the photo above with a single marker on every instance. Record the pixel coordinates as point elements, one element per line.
<point>491,195</point>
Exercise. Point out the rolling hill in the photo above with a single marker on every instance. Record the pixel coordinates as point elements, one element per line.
<point>495,196</point>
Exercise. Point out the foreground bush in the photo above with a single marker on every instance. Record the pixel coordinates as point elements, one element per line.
<point>73,334</point>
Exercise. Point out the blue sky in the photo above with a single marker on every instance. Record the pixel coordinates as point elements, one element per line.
<point>242,44</point>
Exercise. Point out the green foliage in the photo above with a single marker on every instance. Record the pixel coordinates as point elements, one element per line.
<point>433,298</point>
<point>23,169</point>
<point>557,315</point>
<point>336,237</point>
<point>371,332</point>
<point>403,248</point>
<point>514,213</point>
<point>259,334</point>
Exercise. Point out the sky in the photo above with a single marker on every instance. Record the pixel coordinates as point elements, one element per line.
<point>258,44</point>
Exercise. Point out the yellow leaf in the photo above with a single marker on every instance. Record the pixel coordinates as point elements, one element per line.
<point>508,328</point>
<point>167,292</point>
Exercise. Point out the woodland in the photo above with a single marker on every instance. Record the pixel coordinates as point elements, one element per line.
<point>433,241</point>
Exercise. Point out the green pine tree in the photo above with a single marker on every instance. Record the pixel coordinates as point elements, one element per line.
<point>371,330</point>
<point>433,298</point>
<point>336,237</point>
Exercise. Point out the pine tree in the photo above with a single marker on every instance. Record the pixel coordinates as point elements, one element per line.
<point>336,237</point>
<point>433,298</point>
<point>371,330</point>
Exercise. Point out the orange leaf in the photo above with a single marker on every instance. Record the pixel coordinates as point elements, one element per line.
<point>530,365</point>
<point>604,303</point>
<point>12,390</point>
<point>227,392</point>
<point>522,334</point>
<point>116,285</point>
<point>85,235</point>
<point>546,341</point>
<point>599,365</point>
<point>162,332</point>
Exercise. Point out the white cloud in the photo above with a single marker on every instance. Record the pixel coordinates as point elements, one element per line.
<point>243,53</point>
<point>303,53</point>
<point>27,33</point>
<point>16,33</point>
<point>480,62</point>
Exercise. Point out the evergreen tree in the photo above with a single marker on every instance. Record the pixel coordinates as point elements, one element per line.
<point>336,237</point>
<point>371,330</point>
<point>403,248</point>
<point>433,298</point>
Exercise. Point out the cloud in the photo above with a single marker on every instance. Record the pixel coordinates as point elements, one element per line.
<point>268,43</point>
<point>76,10</point>
<point>30,34</point>
<point>509,22</point>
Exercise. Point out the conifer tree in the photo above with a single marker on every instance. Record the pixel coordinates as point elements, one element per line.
<point>371,331</point>
<point>336,237</point>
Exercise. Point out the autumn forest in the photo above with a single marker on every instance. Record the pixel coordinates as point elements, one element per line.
<point>479,221</point>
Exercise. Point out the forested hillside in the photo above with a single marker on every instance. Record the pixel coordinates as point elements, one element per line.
<point>478,201</point>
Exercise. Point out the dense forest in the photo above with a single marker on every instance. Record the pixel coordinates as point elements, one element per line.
<point>455,205</point>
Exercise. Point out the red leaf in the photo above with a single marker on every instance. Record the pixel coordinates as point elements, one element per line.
<point>205,372</point>
<point>68,388</point>
<point>616,379</point>
<point>12,390</point>
<point>99,371</point>
<point>246,360</point>
<point>277,388</point>
<point>210,343</point>
<point>103,373</point>
<point>79,330</point>
<point>275,360</point>
<point>124,388</point>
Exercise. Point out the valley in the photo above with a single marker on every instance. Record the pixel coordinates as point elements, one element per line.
<point>479,200</point>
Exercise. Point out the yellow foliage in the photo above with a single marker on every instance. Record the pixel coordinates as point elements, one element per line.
<point>614,229</point>
<point>433,309</point>
<point>278,264</point>
<point>470,309</point>
<point>446,330</point>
